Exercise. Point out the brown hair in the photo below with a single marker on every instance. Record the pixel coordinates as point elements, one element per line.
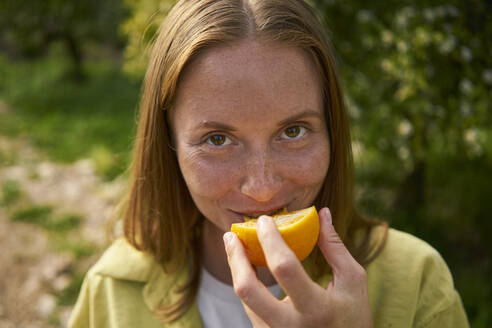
<point>159,215</point>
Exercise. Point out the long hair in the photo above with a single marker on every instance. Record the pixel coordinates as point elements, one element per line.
<point>160,217</point>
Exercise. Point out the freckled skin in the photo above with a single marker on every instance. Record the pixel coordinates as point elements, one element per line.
<point>251,87</point>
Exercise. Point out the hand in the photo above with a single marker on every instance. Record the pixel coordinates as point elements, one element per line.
<point>343,303</point>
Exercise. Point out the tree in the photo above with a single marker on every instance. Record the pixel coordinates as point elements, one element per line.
<point>418,76</point>
<point>418,79</point>
<point>140,28</point>
<point>30,27</point>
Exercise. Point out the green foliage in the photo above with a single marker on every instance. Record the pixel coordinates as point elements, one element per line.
<point>140,28</point>
<point>418,79</point>
<point>475,289</point>
<point>65,222</point>
<point>106,163</point>
<point>11,193</point>
<point>418,76</point>
<point>7,156</point>
<point>77,247</point>
<point>29,28</point>
<point>68,296</point>
<point>67,120</point>
<point>38,215</point>
<point>30,24</point>
<point>43,216</point>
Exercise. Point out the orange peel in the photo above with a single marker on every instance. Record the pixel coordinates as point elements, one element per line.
<point>299,230</point>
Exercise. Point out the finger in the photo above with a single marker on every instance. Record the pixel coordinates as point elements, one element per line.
<point>256,321</point>
<point>247,286</point>
<point>284,265</point>
<point>346,270</point>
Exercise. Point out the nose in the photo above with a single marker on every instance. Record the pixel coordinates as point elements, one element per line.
<point>261,180</point>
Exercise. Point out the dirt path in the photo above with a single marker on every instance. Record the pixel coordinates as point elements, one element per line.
<point>35,270</point>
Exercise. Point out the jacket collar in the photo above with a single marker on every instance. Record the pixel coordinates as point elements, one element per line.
<point>122,261</point>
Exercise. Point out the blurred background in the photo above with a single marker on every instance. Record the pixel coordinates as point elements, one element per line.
<point>418,80</point>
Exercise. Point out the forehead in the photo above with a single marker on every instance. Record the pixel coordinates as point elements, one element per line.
<point>249,77</point>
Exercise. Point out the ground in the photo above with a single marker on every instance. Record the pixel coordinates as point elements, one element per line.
<point>52,228</point>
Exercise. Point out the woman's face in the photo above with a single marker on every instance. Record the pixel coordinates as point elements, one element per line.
<point>250,131</point>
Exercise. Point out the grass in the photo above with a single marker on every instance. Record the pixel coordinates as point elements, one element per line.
<point>11,193</point>
<point>66,121</point>
<point>68,296</point>
<point>64,237</point>
<point>42,215</point>
<point>69,120</point>
<point>38,215</point>
<point>7,157</point>
<point>74,245</point>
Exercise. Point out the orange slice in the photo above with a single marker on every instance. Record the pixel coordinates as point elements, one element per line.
<point>299,229</point>
<point>282,211</point>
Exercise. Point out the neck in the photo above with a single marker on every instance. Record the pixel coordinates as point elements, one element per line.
<point>215,257</point>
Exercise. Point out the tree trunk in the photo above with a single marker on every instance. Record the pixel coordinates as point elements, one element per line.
<point>74,50</point>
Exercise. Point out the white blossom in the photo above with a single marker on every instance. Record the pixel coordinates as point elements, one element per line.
<point>487,76</point>
<point>387,65</point>
<point>364,16</point>
<point>402,46</point>
<point>466,54</point>
<point>466,86</point>
<point>429,14</point>
<point>353,110</point>
<point>401,20</point>
<point>403,153</point>
<point>471,136</point>
<point>386,37</point>
<point>405,128</point>
<point>472,139</point>
<point>447,45</point>
<point>422,36</point>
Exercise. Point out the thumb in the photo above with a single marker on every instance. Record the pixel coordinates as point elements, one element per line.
<point>332,247</point>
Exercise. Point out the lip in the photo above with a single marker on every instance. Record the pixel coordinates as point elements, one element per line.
<point>258,212</point>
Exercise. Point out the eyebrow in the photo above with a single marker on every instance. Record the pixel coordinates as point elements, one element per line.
<point>215,125</point>
<point>306,113</point>
<point>225,127</point>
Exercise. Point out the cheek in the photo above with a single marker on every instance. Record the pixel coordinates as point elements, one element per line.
<point>206,178</point>
<point>309,166</point>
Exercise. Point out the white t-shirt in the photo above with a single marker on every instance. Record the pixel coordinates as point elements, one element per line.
<point>220,307</point>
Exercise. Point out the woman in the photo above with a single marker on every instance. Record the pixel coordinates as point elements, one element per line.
<point>242,114</point>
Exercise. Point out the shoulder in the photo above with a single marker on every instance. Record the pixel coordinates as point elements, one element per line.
<point>408,260</point>
<point>410,279</point>
<point>124,270</point>
<point>122,289</point>
<point>122,261</point>
<point>404,249</point>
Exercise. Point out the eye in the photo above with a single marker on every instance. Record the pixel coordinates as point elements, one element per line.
<point>294,132</point>
<point>218,140</point>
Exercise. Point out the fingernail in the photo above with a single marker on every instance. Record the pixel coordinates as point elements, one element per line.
<point>262,220</point>
<point>327,214</point>
<point>228,238</point>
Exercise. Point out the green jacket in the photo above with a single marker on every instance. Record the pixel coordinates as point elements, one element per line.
<point>409,286</point>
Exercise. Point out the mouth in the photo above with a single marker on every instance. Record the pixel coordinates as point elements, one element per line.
<point>257,214</point>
